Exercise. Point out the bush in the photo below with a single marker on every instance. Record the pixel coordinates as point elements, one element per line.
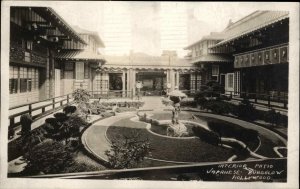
<point>26,121</point>
<point>128,152</point>
<point>73,125</point>
<point>246,110</point>
<point>60,116</point>
<point>124,109</point>
<point>49,157</point>
<point>69,110</point>
<point>53,124</point>
<point>81,96</point>
<point>207,136</point>
<point>200,99</point>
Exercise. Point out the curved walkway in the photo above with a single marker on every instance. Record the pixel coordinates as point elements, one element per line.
<point>97,143</point>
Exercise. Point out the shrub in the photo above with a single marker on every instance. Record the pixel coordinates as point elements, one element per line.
<point>206,135</point>
<point>200,99</point>
<point>49,157</point>
<point>124,109</point>
<point>81,96</point>
<point>26,121</point>
<point>246,110</point>
<point>129,151</point>
<point>69,110</point>
<point>60,116</point>
<point>272,117</point>
<point>73,125</point>
<point>54,123</point>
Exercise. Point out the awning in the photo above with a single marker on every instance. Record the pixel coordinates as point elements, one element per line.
<point>79,55</point>
<point>211,58</point>
<point>256,21</point>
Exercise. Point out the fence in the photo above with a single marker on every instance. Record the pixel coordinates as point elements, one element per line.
<point>279,100</point>
<point>38,108</point>
<point>273,99</point>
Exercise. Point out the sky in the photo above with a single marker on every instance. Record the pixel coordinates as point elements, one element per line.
<point>151,27</point>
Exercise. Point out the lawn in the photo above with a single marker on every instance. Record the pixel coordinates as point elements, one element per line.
<point>171,149</point>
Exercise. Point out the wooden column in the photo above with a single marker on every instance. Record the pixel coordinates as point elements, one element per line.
<point>133,81</point>
<point>123,83</point>
<point>172,79</point>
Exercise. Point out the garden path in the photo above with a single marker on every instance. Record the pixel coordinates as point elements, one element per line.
<point>97,143</point>
<point>153,103</point>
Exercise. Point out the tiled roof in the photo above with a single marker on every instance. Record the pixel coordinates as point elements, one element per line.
<point>252,22</point>
<point>79,55</point>
<point>211,58</point>
<point>146,61</point>
<point>211,36</point>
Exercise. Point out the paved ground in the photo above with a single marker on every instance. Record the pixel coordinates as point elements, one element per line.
<point>153,103</point>
<point>94,138</point>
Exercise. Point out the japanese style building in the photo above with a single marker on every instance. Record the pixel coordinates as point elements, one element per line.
<point>214,64</point>
<point>49,58</point>
<point>36,36</point>
<point>156,73</point>
<point>258,44</point>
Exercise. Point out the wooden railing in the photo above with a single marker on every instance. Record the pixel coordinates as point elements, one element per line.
<point>43,106</point>
<point>274,99</point>
<point>264,99</point>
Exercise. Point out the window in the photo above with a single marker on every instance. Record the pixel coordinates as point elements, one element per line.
<point>13,79</point>
<point>79,70</point>
<point>215,70</point>
<point>230,81</point>
<point>27,57</point>
<point>23,79</point>
<point>27,77</point>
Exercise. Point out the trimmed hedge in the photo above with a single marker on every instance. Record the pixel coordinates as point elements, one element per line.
<point>244,110</point>
<point>207,136</point>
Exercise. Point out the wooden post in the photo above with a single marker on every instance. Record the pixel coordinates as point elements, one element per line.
<point>68,98</point>
<point>255,99</point>
<point>11,122</point>
<point>43,109</point>
<point>53,103</point>
<point>30,109</point>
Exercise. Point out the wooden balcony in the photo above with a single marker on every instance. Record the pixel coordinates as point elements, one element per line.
<point>271,55</point>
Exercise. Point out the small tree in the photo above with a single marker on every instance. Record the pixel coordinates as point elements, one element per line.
<point>81,98</point>
<point>128,152</point>
<point>49,157</point>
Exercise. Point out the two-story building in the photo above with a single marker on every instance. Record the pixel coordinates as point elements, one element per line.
<point>249,57</point>
<point>36,36</point>
<point>259,43</point>
<point>77,64</point>
<point>214,65</point>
